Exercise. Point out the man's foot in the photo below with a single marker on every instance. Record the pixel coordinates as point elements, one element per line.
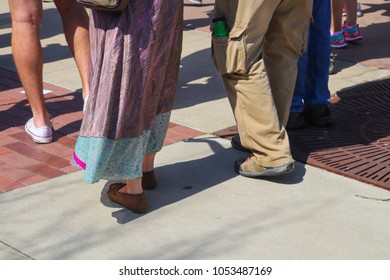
<point>41,135</point>
<point>236,144</point>
<point>296,120</point>
<point>249,168</point>
<point>318,115</point>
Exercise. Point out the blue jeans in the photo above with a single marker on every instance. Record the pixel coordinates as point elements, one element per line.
<point>313,67</point>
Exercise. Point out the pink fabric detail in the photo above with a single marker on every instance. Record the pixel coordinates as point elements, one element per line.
<point>79,161</point>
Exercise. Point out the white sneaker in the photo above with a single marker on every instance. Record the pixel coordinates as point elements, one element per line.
<point>199,2</point>
<point>359,10</point>
<point>42,134</point>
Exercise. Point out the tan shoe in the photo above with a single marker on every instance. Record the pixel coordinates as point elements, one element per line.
<point>135,202</point>
<point>250,168</point>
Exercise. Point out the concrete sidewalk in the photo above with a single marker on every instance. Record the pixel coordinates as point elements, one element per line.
<point>201,208</point>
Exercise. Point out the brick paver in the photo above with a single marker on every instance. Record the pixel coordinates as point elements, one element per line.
<point>23,162</point>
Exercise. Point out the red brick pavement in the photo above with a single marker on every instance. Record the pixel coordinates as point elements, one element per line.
<point>23,162</point>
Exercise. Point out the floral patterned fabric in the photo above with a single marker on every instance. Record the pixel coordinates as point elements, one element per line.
<point>135,58</point>
<point>120,159</point>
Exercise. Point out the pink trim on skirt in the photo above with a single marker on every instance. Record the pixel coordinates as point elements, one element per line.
<point>79,161</point>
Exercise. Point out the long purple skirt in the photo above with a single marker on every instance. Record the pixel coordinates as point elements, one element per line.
<point>135,58</point>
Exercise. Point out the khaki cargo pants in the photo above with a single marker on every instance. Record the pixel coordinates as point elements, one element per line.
<point>258,64</point>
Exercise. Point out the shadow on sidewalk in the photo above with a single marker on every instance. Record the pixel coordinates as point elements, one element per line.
<point>181,180</point>
<point>385,7</point>
<point>198,23</point>
<point>373,47</point>
<point>358,144</point>
<point>18,113</point>
<point>23,162</point>
<point>190,92</point>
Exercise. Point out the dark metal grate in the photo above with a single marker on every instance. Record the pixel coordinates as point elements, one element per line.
<point>358,144</point>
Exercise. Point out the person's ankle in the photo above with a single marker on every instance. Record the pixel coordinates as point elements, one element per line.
<point>132,187</point>
<point>42,121</point>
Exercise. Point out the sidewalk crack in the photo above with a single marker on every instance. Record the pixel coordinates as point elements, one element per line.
<point>372,198</point>
<point>13,248</point>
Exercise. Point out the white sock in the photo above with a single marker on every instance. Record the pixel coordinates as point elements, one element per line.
<point>335,33</point>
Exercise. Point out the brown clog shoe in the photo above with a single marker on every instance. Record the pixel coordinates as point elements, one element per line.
<point>135,202</point>
<point>149,181</point>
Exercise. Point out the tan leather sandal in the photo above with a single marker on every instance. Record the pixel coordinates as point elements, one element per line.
<point>135,202</point>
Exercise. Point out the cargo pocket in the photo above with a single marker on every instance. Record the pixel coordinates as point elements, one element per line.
<point>228,53</point>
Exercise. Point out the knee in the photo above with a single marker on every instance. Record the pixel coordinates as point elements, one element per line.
<point>31,17</point>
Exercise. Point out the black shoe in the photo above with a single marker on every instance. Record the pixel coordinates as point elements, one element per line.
<point>236,144</point>
<point>296,120</point>
<point>318,115</point>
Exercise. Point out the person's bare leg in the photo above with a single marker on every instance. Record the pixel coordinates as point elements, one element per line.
<point>350,9</point>
<point>27,52</point>
<point>337,14</point>
<point>130,195</point>
<point>148,163</point>
<point>75,21</point>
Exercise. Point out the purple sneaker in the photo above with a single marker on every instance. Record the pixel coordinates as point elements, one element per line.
<point>338,41</point>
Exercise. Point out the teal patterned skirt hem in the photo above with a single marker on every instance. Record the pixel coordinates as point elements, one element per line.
<point>118,159</point>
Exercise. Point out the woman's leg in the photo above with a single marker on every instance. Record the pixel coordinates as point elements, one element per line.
<point>133,186</point>
<point>337,13</point>
<point>148,163</point>
<point>130,195</point>
<point>350,8</point>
